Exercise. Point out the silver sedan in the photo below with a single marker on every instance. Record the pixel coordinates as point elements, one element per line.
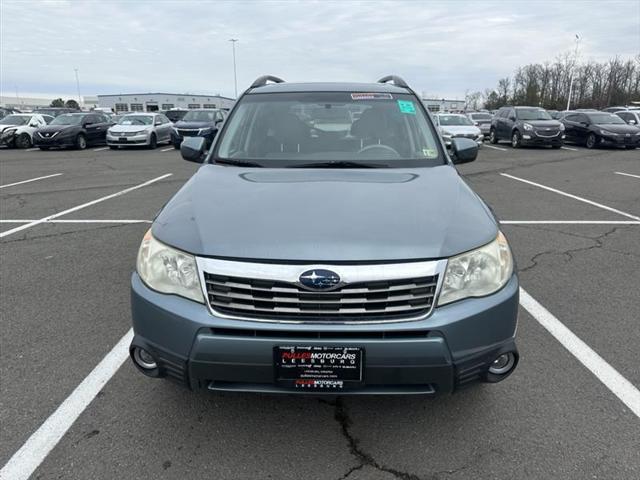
<point>140,129</point>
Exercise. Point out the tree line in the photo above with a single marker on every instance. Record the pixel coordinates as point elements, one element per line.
<point>595,85</point>
<point>58,102</point>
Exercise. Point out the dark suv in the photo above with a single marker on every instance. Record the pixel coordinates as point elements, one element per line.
<point>197,123</point>
<point>319,251</point>
<point>526,126</point>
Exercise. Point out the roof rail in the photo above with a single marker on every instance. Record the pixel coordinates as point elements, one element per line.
<point>262,81</point>
<point>397,81</point>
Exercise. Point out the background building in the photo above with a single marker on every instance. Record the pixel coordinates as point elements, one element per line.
<point>151,102</point>
<point>443,105</point>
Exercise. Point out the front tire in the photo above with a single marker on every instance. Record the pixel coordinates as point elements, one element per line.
<point>113,147</point>
<point>23,141</point>
<point>516,140</point>
<point>81,142</point>
<point>493,138</point>
<point>592,141</point>
<point>176,146</point>
<point>153,142</point>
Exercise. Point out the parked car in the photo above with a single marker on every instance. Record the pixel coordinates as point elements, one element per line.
<point>16,130</point>
<point>526,126</point>
<point>140,129</point>
<point>613,109</point>
<point>482,120</point>
<point>4,111</point>
<point>198,123</point>
<point>351,261</point>
<point>55,111</point>
<point>632,117</point>
<point>453,125</point>
<point>175,114</point>
<point>78,130</point>
<point>600,128</point>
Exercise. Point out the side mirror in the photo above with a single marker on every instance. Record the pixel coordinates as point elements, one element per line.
<point>632,122</point>
<point>584,124</point>
<point>192,149</point>
<point>512,118</point>
<point>86,124</point>
<point>158,122</point>
<point>463,150</point>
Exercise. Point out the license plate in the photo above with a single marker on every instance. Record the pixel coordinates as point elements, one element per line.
<point>122,139</point>
<point>318,368</point>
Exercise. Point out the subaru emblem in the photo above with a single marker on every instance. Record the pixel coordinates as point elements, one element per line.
<point>319,279</point>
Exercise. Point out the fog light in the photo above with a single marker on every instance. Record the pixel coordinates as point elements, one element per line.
<point>502,364</point>
<point>144,359</point>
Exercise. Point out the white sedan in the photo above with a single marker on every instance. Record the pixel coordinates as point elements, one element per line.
<point>452,125</point>
<point>16,130</point>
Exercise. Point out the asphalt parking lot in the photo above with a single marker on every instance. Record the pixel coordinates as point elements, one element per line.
<point>572,217</point>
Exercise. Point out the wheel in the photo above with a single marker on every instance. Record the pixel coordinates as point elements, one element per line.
<point>516,141</point>
<point>630,147</point>
<point>176,146</point>
<point>153,142</point>
<point>81,142</point>
<point>113,147</point>
<point>23,141</point>
<point>592,140</point>
<point>493,138</point>
<point>43,148</point>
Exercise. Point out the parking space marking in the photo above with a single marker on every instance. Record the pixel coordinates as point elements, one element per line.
<point>167,149</point>
<point>31,149</point>
<point>609,376</point>
<point>627,174</point>
<point>33,452</point>
<point>78,221</point>
<point>30,180</point>
<point>495,148</point>
<point>569,148</point>
<point>575,197</point>
<point>100,149</point>
<point>570,222</point>
<point>84,205</point>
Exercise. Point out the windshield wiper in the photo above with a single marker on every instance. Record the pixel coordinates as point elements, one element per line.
<point>337,164</point>
<point>237,163</point>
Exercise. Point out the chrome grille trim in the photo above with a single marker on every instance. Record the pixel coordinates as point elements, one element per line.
<point>238,288</point>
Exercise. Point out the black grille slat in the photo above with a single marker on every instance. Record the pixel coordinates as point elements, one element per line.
<point>360,301</point>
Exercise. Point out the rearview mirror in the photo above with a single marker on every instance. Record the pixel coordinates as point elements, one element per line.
<point>192,149</point>
<point>463,150</point>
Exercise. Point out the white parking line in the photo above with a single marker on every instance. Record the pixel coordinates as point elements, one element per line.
<point>627,174</point>
<point>100,149</point>
<point>78,221</point>
<point>27,459</point>
<point>569,222</point>
<point>495,148</point>
<point>84,205</point>
<point>30,180</point>
<point>167,149</point>
<point>32,149</point>
<point>575,197</point>
<point>569,148</point>
<point>609,376</point>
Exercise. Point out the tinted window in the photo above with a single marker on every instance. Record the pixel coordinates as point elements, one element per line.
<point>572,117</point>
<point>604,118</point>
<point>136,120</point>
<point>67,119</point>
<point>481,116</point>
<point>454,120</point>
<point>15,120</point>
<point>200,116</point>
<point>532,114</point>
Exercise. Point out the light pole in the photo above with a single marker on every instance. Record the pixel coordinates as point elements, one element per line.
<point>78,86</point>
<point>573,69</point>
<point>235,76</point>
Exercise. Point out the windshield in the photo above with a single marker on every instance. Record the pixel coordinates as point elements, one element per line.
<point>605,118</point>
<point>481,116</point>
<point>136,120</point>
<point>454,120</point>
<point>15,120</point>
<point>289,129</point>
<point>67,119</point>
<point>200,116</point>
<point>532,114</point>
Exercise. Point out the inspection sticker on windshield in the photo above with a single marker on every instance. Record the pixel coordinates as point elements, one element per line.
<point>407,106</point>
<point>429,153</point>
<point>371,96</point>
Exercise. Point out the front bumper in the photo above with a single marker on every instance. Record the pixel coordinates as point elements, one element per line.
<point>57,141</point>
<point>451,348</point>
<point>535,138</point>
<point>7,138</point>
<point>620,140</point>
<point>114,140</point>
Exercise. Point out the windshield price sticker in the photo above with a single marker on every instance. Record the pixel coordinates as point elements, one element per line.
<point>371,96</point>
<point>407,106</point>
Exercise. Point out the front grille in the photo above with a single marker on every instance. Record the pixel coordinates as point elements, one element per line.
<point>472,136</point>
<point>362,301</point>
<point>547,133</point>
<point>188,133</point>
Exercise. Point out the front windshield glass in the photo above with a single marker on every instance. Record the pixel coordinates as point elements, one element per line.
<point>15,120</point>
<point>481,116</point>
<point>305,128</point>
<point>67,119</point>
<point>200,116</point>
<point>136,120</point>
<point>605,118</point>
<point>454,120</point>
<point>532,114</point>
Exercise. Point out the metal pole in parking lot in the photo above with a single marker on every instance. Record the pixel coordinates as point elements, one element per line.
<point>78,86</point>
<point>573,69</point>
<point>235,77</point>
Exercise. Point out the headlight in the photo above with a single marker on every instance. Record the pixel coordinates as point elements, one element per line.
<point>204,131</point>
<point>606,132</point>
<point>447,134</point>
<point>9,131</point>
<point>168,270</point>
<point>562,127</point>
<point>477,273</point>
<point>528,126</point>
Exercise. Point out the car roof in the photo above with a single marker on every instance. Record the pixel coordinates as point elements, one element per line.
<point>286,87</point>
<point>451,114</point>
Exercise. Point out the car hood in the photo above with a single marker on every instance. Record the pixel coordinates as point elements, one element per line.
<point>618,128</point>
<point>194,125</point>
<point>543,123</point>
<point>4,127</point>
<point>50,129</point>
<point>129,128</point>
<point>461,129</point>
<point>325,215</point>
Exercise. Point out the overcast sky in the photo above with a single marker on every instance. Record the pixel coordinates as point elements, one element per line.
<point>441,48</point>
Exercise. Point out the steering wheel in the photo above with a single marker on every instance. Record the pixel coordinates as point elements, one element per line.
<point>379,146</point>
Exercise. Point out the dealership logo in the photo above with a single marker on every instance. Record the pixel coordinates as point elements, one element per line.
<point>319,279</point>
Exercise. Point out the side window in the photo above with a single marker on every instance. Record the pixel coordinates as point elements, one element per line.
<point>625,116</point>
<point>571,118</point>
<point>164,119</point>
